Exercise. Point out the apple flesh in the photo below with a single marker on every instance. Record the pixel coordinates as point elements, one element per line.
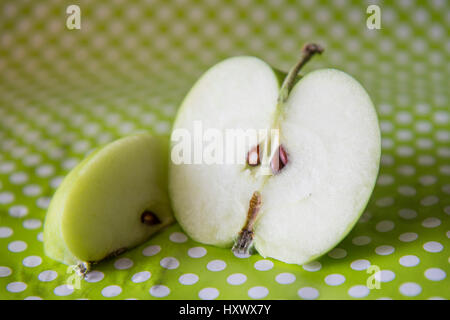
<point>113,200</point>
<point>328,160</point>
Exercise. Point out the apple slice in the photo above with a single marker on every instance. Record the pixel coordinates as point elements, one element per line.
<point>113,200</point>
<point>322,166</point>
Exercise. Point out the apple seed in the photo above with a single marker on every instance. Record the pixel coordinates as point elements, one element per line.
<point>279,160</point>
<point>149,218</point>
<point>253,158</point>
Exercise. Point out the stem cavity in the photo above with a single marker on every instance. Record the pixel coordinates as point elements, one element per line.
<point>245,238</point>
<point>308,51</point>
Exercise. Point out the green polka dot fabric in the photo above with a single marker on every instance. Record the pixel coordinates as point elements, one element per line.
<point>64,92</point>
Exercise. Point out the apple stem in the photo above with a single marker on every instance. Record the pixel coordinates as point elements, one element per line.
<point>308,51</point>
<point>82,269</point>
<point>245,238</point>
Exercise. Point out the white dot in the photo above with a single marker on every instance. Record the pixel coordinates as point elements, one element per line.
<point>407,214</point>
<point>431,222</point>
<point>32,190</point>
<point>408,236</point>
<point>141,276</point>
<point>426,160</point>
<point>241,255</point>
<point>410,289</point>
<point>196,252</point>
<point>407,191</point>
<point>409,261</point>
<point>406,170</point>
<point>366,216</point>
<point>169,263</point>
<point>360,264</point>
<point>7,167</point>
<point>94,276</point>
<point>337,253</point>
<point>32,160</point>
<point>70,163</point>
<point>435,274</point>
<point>447,210</point>
<point>429,201</point>
<point>216,265</point>
<point>151,250</point>
<point>188,279</point>
<point>263,265</point>
<point>111,291</point>
<point>258,292</point>
<point>384,276</point>
<point>18,211</point>
<point>63,290</point>
<point>385,179</point>
<point>433,246</point>
<point>208,294</point>
<point>361,240</point>
<point>17,246</point>
<point>18,178</point>
<point>32,224</point>
<point>159,291</point>
<point>358,291</point>
<point>45,170</point>
<point>427,180</point>
<point>5,232</point>
<point>236,279</point>
<point>43,202</point>
<point>334,279</point>
<point>33,298</point>
<point>178,237</point>
<point>56,182</point>
<point>5,271</point>
<point>308,293</point>
<point>285,278</point>
<point>385,202</point>
<point>385,226</point>
<point>312,266</point>
<point>384,250</point>
<point>436,298</point>
<point>16,287</point>
<point>40,236</point>
<point>47,275</point>
<point>32,261</point>
<point>123,263</point>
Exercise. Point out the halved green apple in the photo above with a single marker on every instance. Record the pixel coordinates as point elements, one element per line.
<point>113,200</point>
<point>323,170</point>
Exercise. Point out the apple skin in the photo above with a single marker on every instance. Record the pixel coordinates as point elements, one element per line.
<point>96,211</point>
<point>223,230</point>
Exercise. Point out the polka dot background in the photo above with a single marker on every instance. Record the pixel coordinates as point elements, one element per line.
<point>63,93</point>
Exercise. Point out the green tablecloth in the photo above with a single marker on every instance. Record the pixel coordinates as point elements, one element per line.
<point>64,92</point>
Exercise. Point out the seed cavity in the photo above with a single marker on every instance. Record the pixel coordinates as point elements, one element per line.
<point>149,218</point>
